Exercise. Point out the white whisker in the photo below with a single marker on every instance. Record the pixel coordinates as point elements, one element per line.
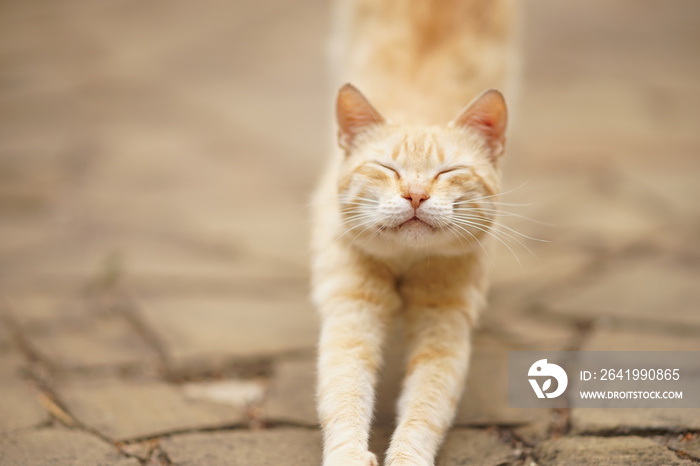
<point>487,231</point>
<point>372,224</point>
<point>501,193</point>
<point>496,203</point>
<point>477,240</point>
<point>496,233</point>
<point>369,223</point>
<point>367,199</point>
<point>502,213</point>
<point>459,237</point>
<point>500,225</point>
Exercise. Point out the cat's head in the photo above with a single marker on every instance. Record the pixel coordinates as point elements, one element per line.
<point>419,187</point>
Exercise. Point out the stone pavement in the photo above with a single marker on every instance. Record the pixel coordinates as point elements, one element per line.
<point>156,161</point>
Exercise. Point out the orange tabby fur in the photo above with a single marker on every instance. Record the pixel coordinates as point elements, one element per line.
<point>402,212</point>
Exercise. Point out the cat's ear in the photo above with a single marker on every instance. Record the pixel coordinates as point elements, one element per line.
<point>355,114</point>
<point>487,114</point>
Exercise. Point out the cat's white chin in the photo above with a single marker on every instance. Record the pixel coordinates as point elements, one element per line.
<point>414,237</point>
<point>414,233</point>
<point>414,224</point>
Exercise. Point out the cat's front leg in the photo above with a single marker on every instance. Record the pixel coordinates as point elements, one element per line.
<point>355,305</point>
<point>437,367</point>
<point>349,356</point>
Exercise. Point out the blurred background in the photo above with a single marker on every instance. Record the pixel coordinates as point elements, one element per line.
<point>156,162</point>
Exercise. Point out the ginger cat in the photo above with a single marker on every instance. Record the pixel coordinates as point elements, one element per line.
<point>402,212</point>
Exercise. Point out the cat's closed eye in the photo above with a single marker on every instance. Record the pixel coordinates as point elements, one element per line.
<point>449,170</point>
<point>394,171</point>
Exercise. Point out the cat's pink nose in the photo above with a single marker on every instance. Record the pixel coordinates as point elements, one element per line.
<point>416,197</point>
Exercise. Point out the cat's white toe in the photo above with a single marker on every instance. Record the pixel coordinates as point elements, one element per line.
<point>371,459</point>
<point>364,459</point>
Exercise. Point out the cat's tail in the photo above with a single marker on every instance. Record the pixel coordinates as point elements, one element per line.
<point>419,28</point>
<point>426,23</point>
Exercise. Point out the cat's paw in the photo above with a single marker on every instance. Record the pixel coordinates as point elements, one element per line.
<point>371,459</point>
<point>366,458</point>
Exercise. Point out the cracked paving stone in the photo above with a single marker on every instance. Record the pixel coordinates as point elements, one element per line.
<point>155,268</point>
<point>622,339</point>
<point>5,339</point>
<point>51,447</point>
<point>606,451</point>
<point>644,289</point>
<point>125,410</point>
<point>234,392</point>
<point>298,447</point>
<point>29,234</point>
<point>34,310</point>
<point>474,447</point>
<point>485,401</point>
<point>689,445</point>
<point>64,267</point>
<point>19,404</point>
<point>678,189</point>
<point>592,420</point>
<point>601,420</point>
<point>525,332</point>
<point>548,264</point>
<point>583,211</point>
<point>485,398</point>
<point>198,331</point>
<point>390,375</point>
<point>96,342</point>
<point>462,446</point>
<point>291,397</point>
